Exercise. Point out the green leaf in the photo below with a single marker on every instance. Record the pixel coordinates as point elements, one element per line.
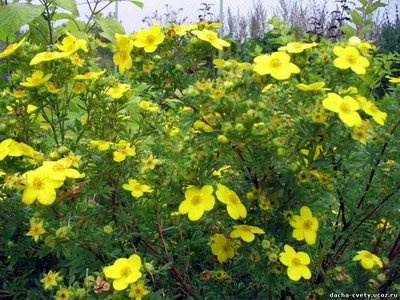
<point>69,5</point>
<point>348,30</point>
<point>363,2</point>
<point>374,6</point>
<point>62,16</point>
<point>14,15</point>
<point>39,31</point>
<point>138,3</point>
<point>365,30</point>
<point>110,27</point>
<point>355,17</point>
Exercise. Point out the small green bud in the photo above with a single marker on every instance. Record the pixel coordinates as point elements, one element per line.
<point>223,140</point>
<point>108,229</point>
<point>62,232</point>
<point>281,152</point>
<point>273,257</point>
<point>54,155</point>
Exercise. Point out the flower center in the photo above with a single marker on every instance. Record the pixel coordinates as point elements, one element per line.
<point>344,107</point>
<point>125,272</point>
<point>196,200</point>
<point>296,261</point>
<point>307,224</point>
<point>123,54</point>
<point>150,39</point>
<point>352,59</point>
<point>276,63</point>
<point>35,229</point>
<point>38,183</point>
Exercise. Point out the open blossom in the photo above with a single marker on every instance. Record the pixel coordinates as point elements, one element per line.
<point>117,91</point>
<point>149,39</point>
<point>36,229</point>
<point>122,57</point>
<point>71,44</point>
<point>37,78</point>
<point>148,106</point>
<point>297,47</point>
<point>89,75</point>
<point>136,188</point>
<point>221,247</point>
<point>49,280</point>
<point>345,107</point>
<point>124,149</point>
<point>211,37</point>
<point>234,206</point>
<point>138,290</point>
<point>368,260</point>
<point>277,64</point>
<point>197,201</point>
<point>305,226</point>
<point>316,86</point>
<point>349,57</point>
<point>124,271</point>
<point>10,49</point>
<point>296,262</point>
<point>40,186</point>
<point>47,56</point>
<point>100,145</point>
<point>245,232</point>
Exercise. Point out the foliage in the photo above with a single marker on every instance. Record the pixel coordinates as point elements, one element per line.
<point>192,174</point>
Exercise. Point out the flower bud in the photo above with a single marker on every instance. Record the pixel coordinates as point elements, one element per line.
<point>223,140</point>
<point>108,229</point>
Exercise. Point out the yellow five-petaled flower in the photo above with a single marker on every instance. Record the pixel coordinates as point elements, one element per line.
<point>277,64</point>
<point>197,201</point>
<point>149,39</point>
<point>234,206</point>
<point>345,107</point>
<point>368,260</point>
<point>349,57</point>
<point>36,79</point>
<point>305,226</point>
<point>296,262</point>
<point>124,271</point>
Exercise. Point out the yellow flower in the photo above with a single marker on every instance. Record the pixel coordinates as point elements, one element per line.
<point>361,134</point>
<point>124,271</point>
<point>235,207</point>
<point>203,86</point>
<point>245,232</point>
<point>148,66</point>
<point>72,44</point>
<point>37,78</point>
<point>316,86</point>
<point>368,260</point>
<point>149,39</point>
<point>297,47</point>
<point>49,280</point>
<point>100,43</point>
<point>221,247</point>
<point>17,93</point>
<point>10,49</point>
<point>40,186</point>
<point>345,107</point>
<point>393,79</point>
<point>138,290</point>
<point>62,294</point>
<point>124,149</point>
<point>220,170</point>
<point>318,116</point>
<point>52,87</point>
<point>145,105</point>
<point>100,145</point>
<point>89,75</point>
<point>150,163</point>
<point>4,148</point>
<point>305,226</point>
<point>197,201</point>
<point>211,37</point>
<point>77,60</point>
<point>47,56</point>
<point>182,30</point>
<point>78,88</point>
<point>296,262</point>
<point>20,149</point>
<point>370,109</point>
<point>59,170</point>
<point>217,94</point>
<point>36,230</point>
<point>362,46</point>
<point>122,57</point>
<point>277,64</point>
<point>117,91</point>
<point>266,88</point>
<point>349,57</point>
<point>136,188</point>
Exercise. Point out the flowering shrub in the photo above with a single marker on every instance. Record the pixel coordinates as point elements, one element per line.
<point>190,174</point>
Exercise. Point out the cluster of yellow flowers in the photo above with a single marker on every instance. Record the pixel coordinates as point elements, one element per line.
<point>123,148</point>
